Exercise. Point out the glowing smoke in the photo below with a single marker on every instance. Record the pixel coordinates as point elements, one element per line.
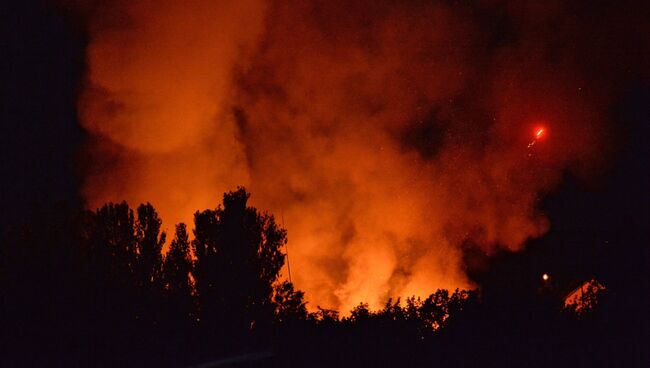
<point>386,135</point>
<point>157,97</point>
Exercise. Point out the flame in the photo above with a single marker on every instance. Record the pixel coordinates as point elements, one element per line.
<point>361,125</point>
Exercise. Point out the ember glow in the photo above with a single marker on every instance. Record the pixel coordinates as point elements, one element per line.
<point>585,296</point>
<point>387,135</point>
<point>538,135</point>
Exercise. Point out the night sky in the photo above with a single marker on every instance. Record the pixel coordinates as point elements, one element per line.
<point>41,66</point>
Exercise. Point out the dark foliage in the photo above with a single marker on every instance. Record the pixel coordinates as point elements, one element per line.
<point>238,259</point>
<point>176,281</point>
<point>96,288</point>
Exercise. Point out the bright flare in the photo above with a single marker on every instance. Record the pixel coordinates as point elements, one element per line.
<point>538,135</point>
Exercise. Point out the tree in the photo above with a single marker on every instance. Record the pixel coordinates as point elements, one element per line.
<point>238,259</point>
<point>149,243</point>
<point>124,265</point>
<point>289,303</point>
<point>176,270</point>
<point>360,313</point>
<point>112,241</point>
<point>325,316</point>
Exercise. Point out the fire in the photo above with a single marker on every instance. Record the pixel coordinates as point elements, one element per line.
<point>584,297</point>
<point>364,129</point>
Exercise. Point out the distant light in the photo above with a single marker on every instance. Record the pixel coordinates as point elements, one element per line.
<point>545,277</point>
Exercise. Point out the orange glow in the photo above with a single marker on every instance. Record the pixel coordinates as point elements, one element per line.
<point>545,277</point>
<point>538,135</point>
<point>585,296</point>
<point>345,121</point>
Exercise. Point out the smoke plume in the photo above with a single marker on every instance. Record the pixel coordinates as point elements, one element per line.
<point>389,138</point>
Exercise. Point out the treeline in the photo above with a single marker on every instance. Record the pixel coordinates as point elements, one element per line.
<point>97,284</point>
<point>95,288</point>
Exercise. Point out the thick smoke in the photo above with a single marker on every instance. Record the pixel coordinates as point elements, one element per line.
<point>388,137</point>
<point>157,101</point>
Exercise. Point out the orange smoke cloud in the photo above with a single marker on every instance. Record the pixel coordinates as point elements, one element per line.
<point>156,97</point>
<point>387,136</point>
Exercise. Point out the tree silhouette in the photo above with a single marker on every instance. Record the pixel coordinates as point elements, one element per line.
<point>177,267</point>
<point>149,243</point>
<point>238,259</point>
<point>360,313</point>
<point>112,241</point>
<point>289,303</point>
<point>148,266</point>
<point>112,256</point>
<point>123,268</point>
<point>83,287</point>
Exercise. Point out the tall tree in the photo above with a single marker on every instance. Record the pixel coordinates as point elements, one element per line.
<point>176,276</point>
<point>149,243</point>
<point>238,251</point>
<point>112,244</point>
<point>114,299</point>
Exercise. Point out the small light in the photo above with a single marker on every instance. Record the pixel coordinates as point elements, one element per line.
<point>545,277</point>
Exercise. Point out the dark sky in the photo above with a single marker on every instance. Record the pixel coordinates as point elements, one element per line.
<point>42,61</point>
<point>597,228</point>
